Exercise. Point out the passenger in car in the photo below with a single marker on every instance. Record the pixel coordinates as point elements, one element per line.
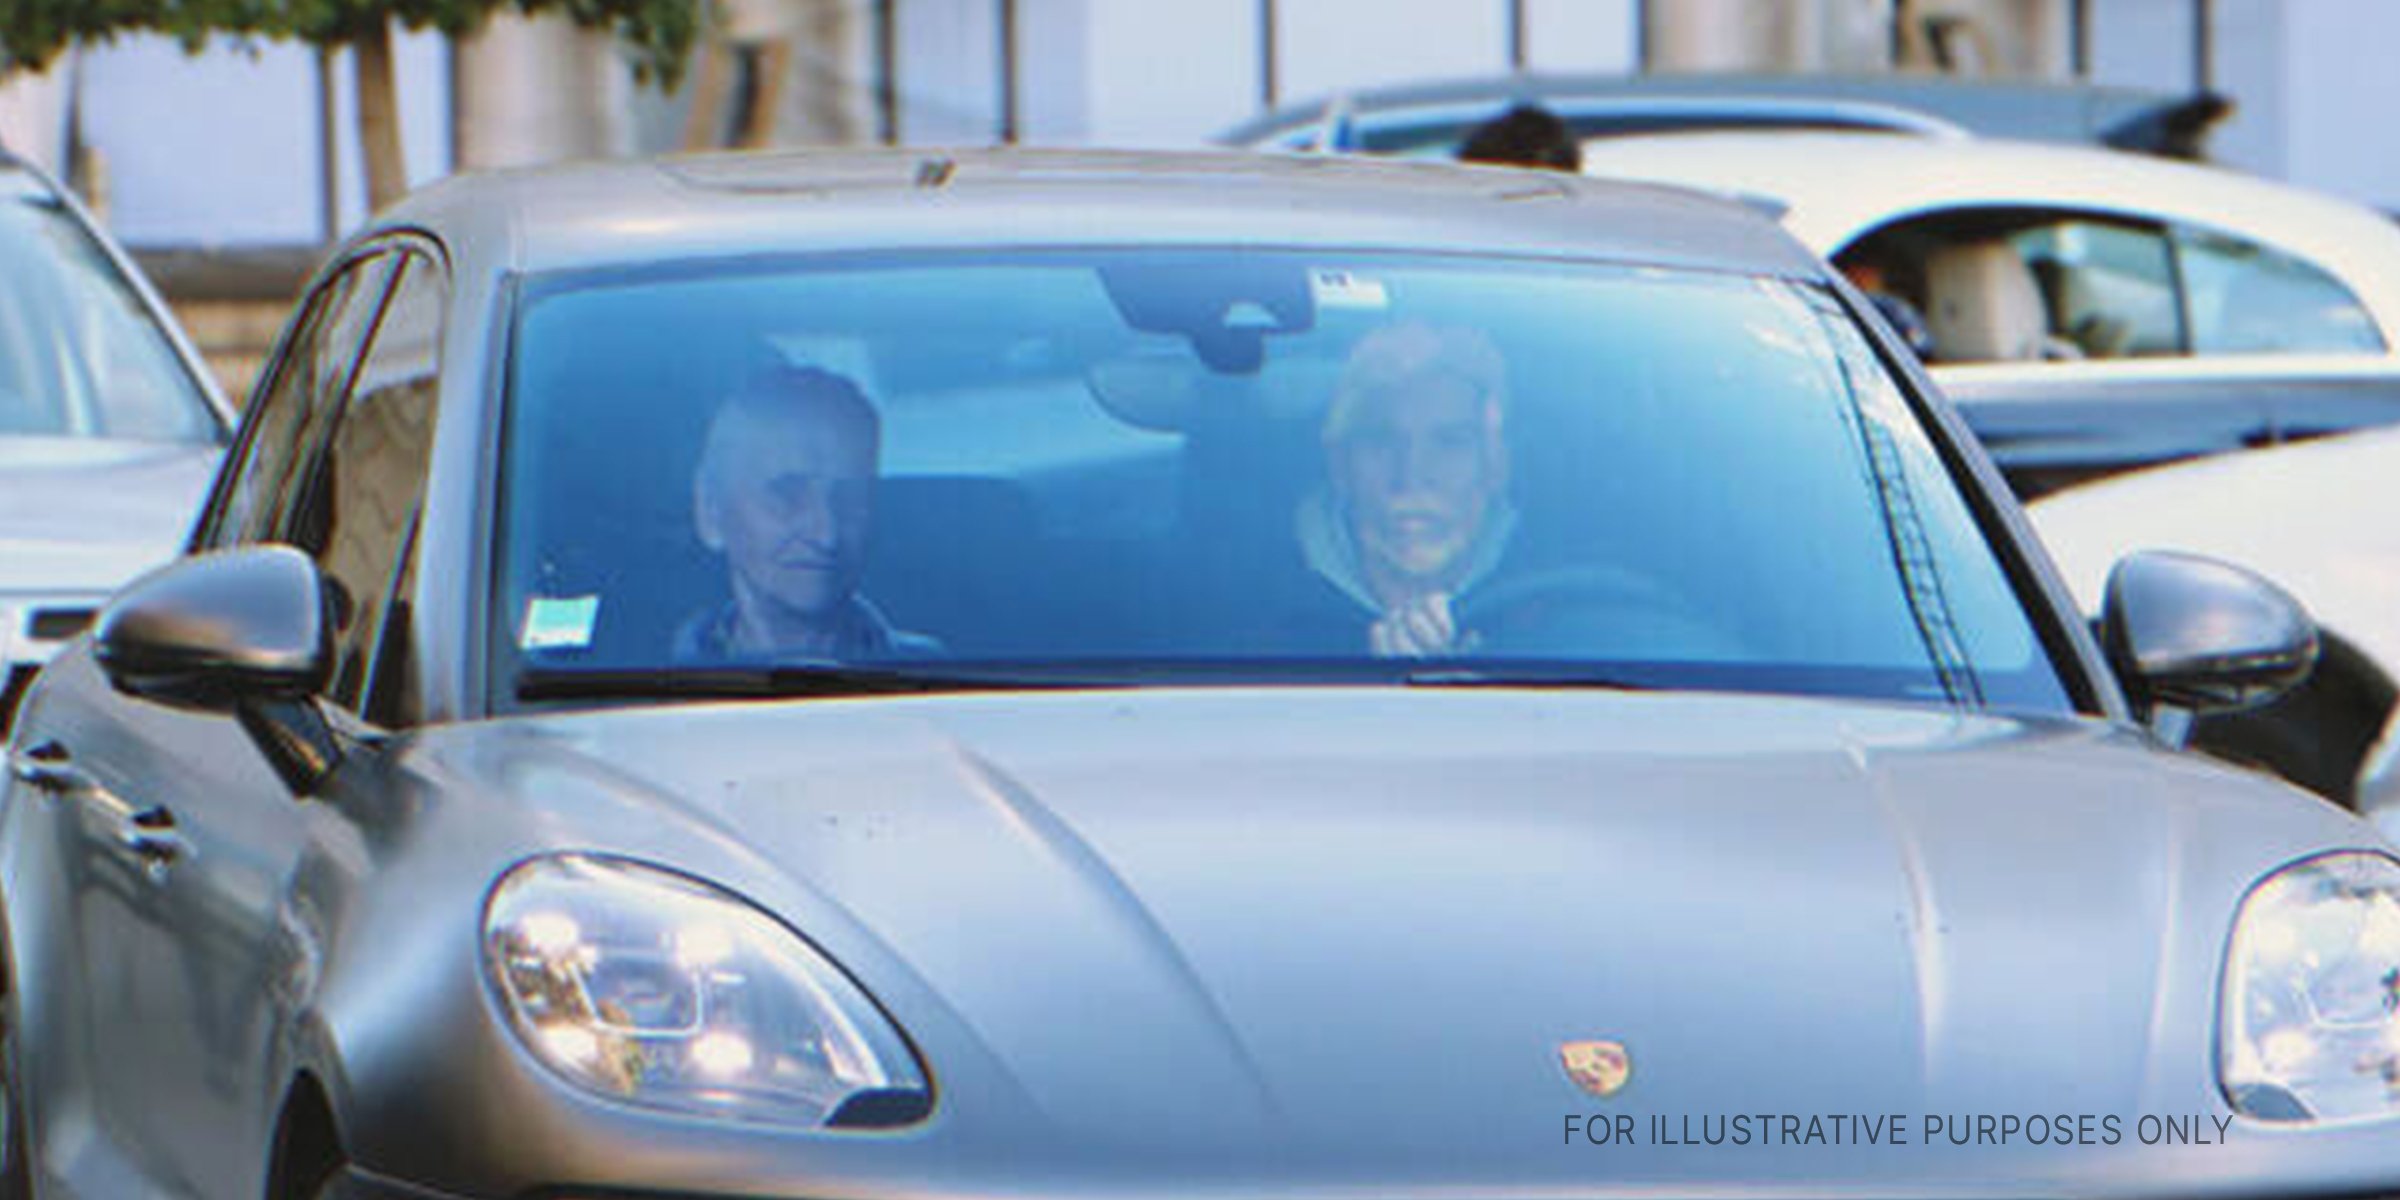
<point>1415,509</point>
<point>1873,278</point>
<point>785,493</point>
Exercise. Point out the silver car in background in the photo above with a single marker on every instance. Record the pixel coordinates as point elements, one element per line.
<point>110,426</point>
<point>1079,674</point>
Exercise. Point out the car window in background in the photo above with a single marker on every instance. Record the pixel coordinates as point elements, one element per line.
<point>2002,285</point>
<point>79,354</point>
<point>1115,464</point>
<point>2005,285</point>
<point>2244,298</point>
<point>2109,286</point>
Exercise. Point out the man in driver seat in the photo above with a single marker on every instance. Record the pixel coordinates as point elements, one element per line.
<point>1415,511</point>
<point>785,492</point>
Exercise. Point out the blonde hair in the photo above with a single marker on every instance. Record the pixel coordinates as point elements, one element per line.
<point>1398,356</point>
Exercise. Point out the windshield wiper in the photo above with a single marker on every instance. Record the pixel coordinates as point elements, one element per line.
<point>1482,677</point>
<point>807,679</point>
<point>762,682</point>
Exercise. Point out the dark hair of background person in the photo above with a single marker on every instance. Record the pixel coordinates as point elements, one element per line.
<point>1525,136</point>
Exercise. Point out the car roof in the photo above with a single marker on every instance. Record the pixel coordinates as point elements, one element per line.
<point>632,213</point>
<point>2009,108</point>
<point>1837,186</point>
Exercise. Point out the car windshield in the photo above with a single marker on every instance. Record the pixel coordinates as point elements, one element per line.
<point>80,355</point>
<point>1135,466</point>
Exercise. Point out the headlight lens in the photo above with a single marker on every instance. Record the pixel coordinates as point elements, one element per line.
<point>2311,1021</point>
<point>658,989</point>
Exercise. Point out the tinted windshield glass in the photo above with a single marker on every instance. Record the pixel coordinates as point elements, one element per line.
<point>79,355</point>
<point>1144,466</point>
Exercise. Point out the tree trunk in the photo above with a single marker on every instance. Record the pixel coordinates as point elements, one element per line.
<point>329,152</point>
<point>534,90</point>
<point>772,70</point>
<point>379,117</point>
<point>703,126</point>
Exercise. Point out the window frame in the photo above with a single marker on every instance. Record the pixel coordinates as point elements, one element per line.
<point>395,254</point>
<point>409,253</point>
<point>307,319</point>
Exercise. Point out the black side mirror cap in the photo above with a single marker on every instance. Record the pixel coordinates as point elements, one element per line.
<point>247,631</point>
<point>2194,633</point>
<point>211,631</point>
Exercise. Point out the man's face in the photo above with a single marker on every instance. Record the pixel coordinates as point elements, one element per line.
<point>793,511</point>
<point>1418,471</point>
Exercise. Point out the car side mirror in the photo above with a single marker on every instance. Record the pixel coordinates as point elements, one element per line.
<point>210,631</point>
<point>2196,634</point>
<point>243,631</point>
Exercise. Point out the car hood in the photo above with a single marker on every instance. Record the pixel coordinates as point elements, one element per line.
<point>83,515</point>
<point>2298,514</point>
<point>1345,918</point>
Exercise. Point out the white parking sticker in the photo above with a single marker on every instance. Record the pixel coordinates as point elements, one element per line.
<point>559,622</point>
<point>1344,289</point>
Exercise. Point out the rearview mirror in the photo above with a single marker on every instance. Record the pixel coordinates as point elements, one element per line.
<point>211,631</point>
<point>2193,633</point>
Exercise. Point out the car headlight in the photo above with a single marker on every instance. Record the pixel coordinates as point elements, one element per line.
<point>2311,1022</point>
<point>658,989</point>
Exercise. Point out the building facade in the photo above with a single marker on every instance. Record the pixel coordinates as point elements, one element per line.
<point>252,145</point>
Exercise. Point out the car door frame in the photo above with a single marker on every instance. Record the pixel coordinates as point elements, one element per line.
<point>258,822</point>
<point>281,979</point>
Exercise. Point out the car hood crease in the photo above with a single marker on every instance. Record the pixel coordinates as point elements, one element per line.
<point>1043,828</point>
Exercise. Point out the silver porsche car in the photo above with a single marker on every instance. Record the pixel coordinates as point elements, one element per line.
<point>1020,674</point>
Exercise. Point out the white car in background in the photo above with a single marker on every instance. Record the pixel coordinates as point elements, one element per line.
<point>1430,118</point>
<point>2316,519</point>
<point>2088,311</point>
<point>110,426</point>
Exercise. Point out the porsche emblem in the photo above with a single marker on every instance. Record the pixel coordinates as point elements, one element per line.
<point>1600,1068</point>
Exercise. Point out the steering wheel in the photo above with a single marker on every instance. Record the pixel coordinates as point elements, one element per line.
<point>1589,609</point>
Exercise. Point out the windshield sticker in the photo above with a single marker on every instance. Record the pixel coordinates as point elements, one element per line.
<point>1344,289</point>
<point>559,622</point>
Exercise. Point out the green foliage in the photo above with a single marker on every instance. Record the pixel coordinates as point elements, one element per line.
<point>658,33</point>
